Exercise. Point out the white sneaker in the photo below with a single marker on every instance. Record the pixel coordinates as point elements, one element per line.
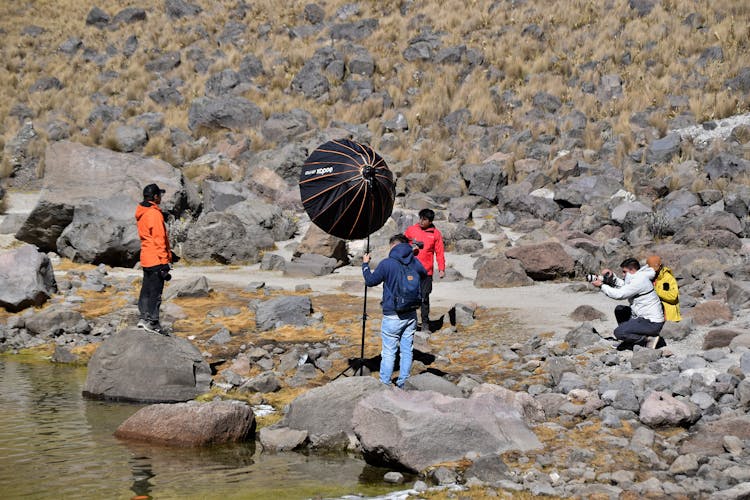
<point>653,342</point>
<point>142,323</point>
<point>155,328</point>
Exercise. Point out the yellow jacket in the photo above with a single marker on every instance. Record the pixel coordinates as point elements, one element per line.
<point>666,289</point>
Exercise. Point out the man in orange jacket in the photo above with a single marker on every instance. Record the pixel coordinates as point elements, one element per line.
<point>156,257</point>
<point>429,247</point>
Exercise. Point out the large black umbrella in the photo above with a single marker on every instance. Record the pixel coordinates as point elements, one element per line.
<point>347,189</point>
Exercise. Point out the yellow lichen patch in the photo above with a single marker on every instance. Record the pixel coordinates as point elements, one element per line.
<point>85,352</point>
<point>560,442</point>
<point>97,304</point>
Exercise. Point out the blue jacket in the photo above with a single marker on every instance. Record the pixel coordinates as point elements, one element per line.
<point>387,273</point>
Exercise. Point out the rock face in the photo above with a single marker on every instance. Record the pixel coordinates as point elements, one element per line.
<point>414,430</point>
<point>71,218</point>
<point>26,278</point>
<point>134,365</point>
<point>326,412</point>
<point>543,261</point>
<point>190,424</point>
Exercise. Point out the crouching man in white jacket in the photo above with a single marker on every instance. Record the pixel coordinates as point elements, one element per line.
<point>641,321</point>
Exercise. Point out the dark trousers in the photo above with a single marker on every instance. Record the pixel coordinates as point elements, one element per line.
<point>634,330</point>
<point>426,289</point>
<point>149,300</point>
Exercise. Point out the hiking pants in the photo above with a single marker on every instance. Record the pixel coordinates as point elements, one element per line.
<point>149,300</point>
<point>426,288</point>
<point>634,330</point>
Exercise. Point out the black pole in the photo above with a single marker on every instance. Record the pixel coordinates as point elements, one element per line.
<point>364,321</point>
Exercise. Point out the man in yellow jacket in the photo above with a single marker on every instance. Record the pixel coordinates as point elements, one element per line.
<point>666,288</point>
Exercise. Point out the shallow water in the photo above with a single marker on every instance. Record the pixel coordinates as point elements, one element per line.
<point>55,444</point>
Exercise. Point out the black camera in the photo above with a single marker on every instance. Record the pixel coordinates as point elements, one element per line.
<point>164,273</point>
<point>418,244</point>
<point>607,278</point>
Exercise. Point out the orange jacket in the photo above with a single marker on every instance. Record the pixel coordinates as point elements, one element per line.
<point>153,234</point>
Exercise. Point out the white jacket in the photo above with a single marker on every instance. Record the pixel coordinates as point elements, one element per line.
<point>639,290</point>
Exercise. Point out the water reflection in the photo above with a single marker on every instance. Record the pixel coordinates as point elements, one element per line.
<point>54,444</point>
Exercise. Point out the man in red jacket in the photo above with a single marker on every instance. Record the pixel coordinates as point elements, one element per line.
<point>156,257</point>
<point>429,247</point>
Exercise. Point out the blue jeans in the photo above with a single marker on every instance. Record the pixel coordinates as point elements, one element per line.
<point>397,333</point>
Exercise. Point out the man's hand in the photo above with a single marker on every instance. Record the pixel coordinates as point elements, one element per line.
<point>366,258</point>
<point>442,274</point>
<point>597,283</point>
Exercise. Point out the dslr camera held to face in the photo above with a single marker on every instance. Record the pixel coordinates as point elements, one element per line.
<point>607,278</point>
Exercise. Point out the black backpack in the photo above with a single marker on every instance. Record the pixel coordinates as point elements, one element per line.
<point>408,293</point>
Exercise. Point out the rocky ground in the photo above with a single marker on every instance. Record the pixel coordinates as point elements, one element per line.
<point>608,422</point>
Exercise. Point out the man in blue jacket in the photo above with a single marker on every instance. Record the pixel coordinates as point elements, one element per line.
<point>397,328</point>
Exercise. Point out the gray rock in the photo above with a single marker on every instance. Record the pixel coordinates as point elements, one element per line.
<point>223,336</point>
<point>177,9</point>
<point>281,439</point>
<point>543,261</point>
<point>726,165</point>
<point>662,150</point>
<point>64,356</point>
<point>310,265</point>
<point>221,237</point>
<point>281,127</point>
<point>26,278</point>
<point>134,365</point>
<point>272,262</point>
<point>164,62</point>
<point>129,15</point>
<point>398,427</point>
<point>583,336</point>
<point>128,138</point>
<point>736,492</point>
<point>501,272</point>
<point>485,179</point>
<point>263,383</point>
<point>230,112</point>
<point>733,445</point>
<point>197,287</point>
<point>430,382</point>
<point>190,424</point>
<point>116,177</point>
<point>283,311</point>
<point>97,17</point>
<point>326,412</point>
<point>393,477</point>
<point>677,330</point>
<point>55,321</point>
<point>661,409</point>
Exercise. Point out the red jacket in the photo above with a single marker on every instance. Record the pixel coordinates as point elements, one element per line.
<point>153,234</point>
<point>433,246</point>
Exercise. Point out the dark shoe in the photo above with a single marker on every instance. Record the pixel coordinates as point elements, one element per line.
<point>154,328</point>
<point>625,346</point>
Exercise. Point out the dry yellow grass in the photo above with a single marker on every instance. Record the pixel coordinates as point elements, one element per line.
<point>579,41</point>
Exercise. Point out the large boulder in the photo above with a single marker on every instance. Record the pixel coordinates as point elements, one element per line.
<point>26,278</point>
<point>134,365</point>
<point>543,261</point>
<point>326,412</point>
<point>221,237</point>
<point>501,272</point>
<point>190,424</point>
<point>417,429</point>
<point>104,230</point>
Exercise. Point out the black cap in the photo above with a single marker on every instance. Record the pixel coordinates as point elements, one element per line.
<point>152,190</point>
